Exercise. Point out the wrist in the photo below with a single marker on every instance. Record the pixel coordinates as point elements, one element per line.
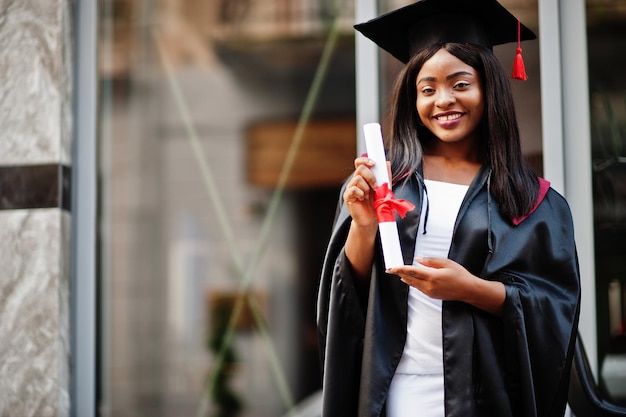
<point>359,248</point>
<point>364,229</point>
<point>486,295</point>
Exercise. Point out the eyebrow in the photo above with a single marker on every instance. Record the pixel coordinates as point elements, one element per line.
<point>449,77</point>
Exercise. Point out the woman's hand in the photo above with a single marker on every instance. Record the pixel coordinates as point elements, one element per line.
<point>359,194</point>
<point>359,198</point>
<point>444,279</point>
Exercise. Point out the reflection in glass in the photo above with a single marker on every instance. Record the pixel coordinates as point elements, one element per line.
<point>606,31</point>
<point>226,130</point>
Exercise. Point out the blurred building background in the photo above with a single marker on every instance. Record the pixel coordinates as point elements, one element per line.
<point>201,104</point>
<point>223,130</point>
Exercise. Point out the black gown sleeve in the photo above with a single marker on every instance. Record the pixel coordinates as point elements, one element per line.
<point>340,323</point>
<point>538,265</point>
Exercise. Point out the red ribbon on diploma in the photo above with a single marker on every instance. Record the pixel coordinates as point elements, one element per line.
<point>386,205</point>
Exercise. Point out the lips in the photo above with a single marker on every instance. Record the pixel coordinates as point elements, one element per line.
<point>447,117</point>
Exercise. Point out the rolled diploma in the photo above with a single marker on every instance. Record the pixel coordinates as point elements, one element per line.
<point>392,252</point>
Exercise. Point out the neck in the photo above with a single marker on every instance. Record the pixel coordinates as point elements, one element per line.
<point>457,152</point>
<point>450,168</point>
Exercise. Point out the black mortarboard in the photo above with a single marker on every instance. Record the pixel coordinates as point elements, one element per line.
<point>409,29</point>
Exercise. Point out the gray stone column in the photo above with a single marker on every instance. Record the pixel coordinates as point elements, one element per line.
<point>35,149</point>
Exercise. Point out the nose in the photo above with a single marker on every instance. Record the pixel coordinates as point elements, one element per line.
<point>445,98</point>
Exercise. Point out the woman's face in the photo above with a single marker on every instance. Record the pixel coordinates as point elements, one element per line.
<point>450,98</point>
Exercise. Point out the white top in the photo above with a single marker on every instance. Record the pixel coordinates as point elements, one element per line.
<point>422,358</point>
<point>423,348</point>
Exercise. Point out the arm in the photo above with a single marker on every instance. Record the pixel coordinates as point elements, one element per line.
<point>358,197</point>
<point>487,295</point>
<point>445,279</point>
<point>360,249</point>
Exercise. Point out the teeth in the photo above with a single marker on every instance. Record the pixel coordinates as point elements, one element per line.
<point>449,117</point>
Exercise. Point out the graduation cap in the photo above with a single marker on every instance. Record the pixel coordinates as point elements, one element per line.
<point>405,31</point>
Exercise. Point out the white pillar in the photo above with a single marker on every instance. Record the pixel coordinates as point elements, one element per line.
<point>367,73</point>
<point>567,138</point>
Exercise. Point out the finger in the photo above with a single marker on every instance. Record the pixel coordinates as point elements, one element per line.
<point>362,183</point>
<point>432,262</point>
<point>367,174</point>
<point>408,271</point>
<point>389,170</point>
<point>358,189</point>
<point>354,194</point>
<point>363,161</point>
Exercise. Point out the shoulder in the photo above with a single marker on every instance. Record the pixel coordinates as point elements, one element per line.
<point>556,206</point>
<point>548,199</point>
<point>554,201</point>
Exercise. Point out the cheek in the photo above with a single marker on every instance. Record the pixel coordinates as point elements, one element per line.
<point>422,110</point>
<point>479,103</point>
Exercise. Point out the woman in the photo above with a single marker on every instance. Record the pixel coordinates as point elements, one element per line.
<point>481,321</point>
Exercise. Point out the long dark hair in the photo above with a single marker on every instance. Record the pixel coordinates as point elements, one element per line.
<point>514,184</point>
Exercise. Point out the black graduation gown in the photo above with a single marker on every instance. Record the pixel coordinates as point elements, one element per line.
<point>514,365</point>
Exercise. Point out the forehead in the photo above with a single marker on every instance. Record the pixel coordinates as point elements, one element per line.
<point>443,63</point>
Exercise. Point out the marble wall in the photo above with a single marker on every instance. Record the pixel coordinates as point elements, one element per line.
<point>35,149</point>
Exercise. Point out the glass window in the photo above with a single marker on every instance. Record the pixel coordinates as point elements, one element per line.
<point>606,33</point>
<point>225,131</point>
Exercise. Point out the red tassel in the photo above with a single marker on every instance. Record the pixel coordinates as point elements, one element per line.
<point>519,71</point>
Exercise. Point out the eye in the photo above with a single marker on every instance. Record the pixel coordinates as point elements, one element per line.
<point>427,91</point>
<point>461,85</point>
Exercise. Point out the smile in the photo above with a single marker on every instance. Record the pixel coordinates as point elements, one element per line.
<point>448,117</point>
